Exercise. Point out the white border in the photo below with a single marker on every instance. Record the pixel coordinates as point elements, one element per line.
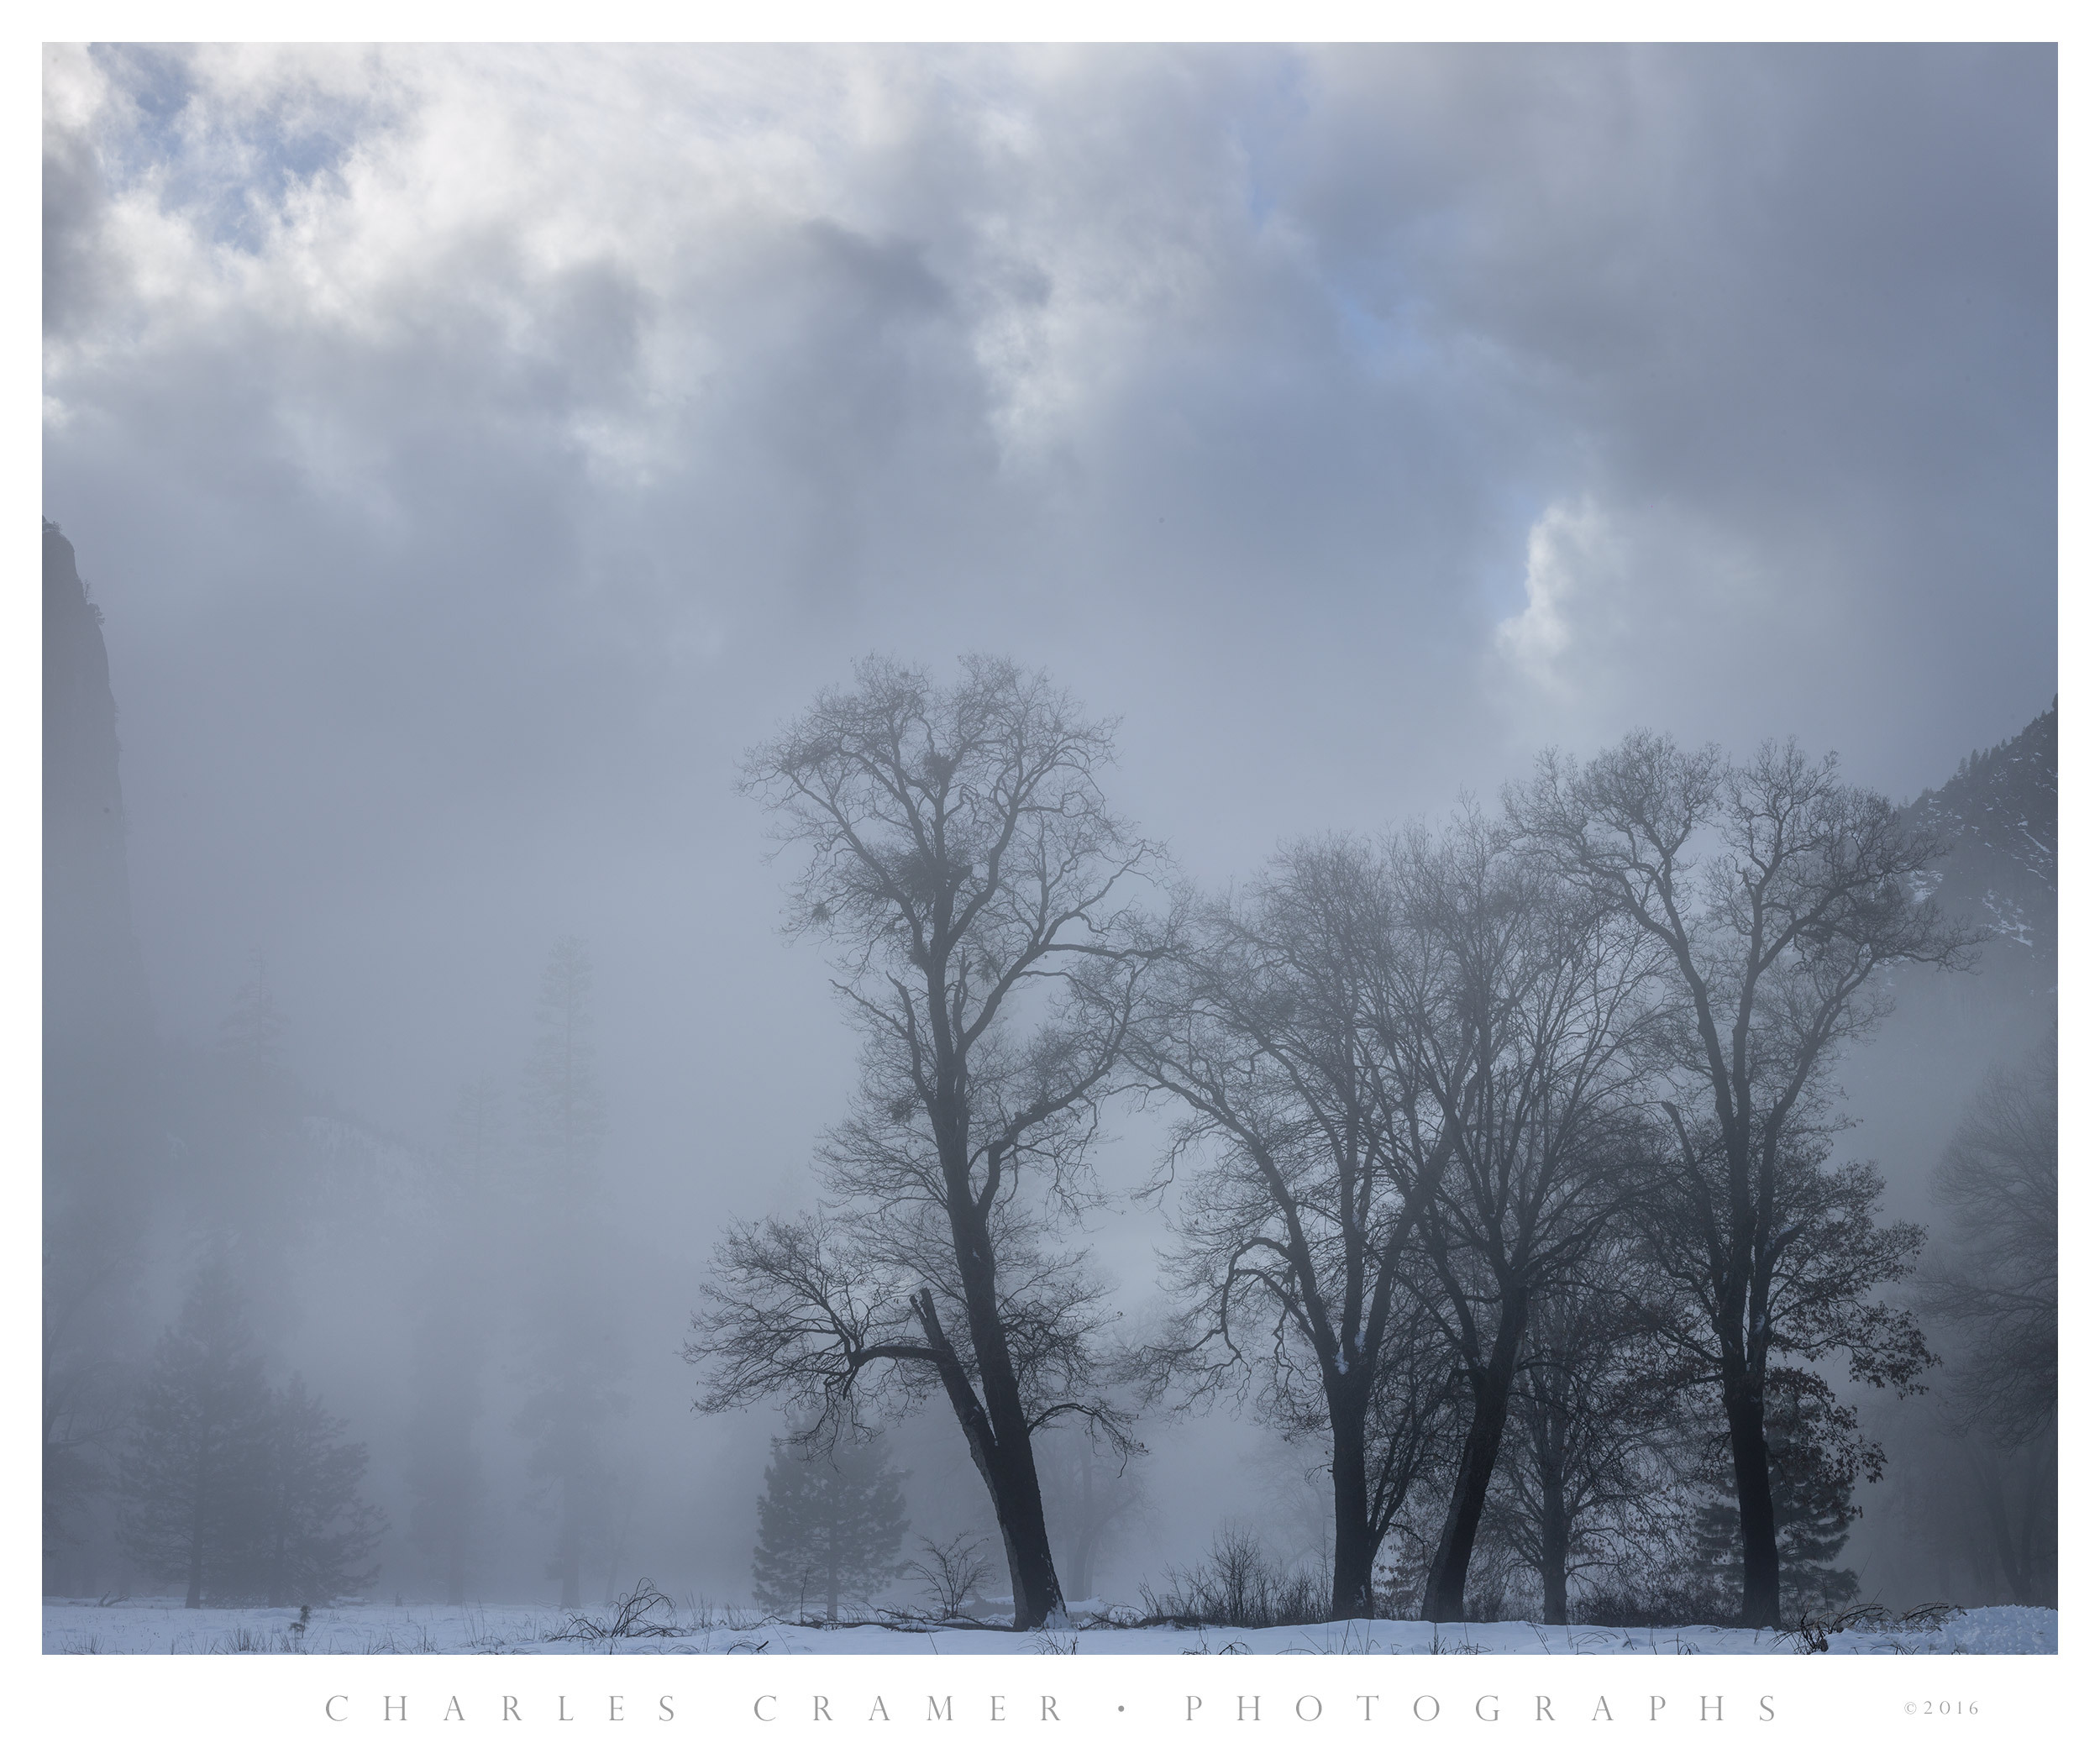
<point>238,1708</point>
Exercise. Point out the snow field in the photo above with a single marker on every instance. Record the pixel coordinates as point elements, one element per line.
<point>163,1626</point>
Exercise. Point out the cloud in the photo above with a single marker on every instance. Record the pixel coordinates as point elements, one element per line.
<point>1569,559</point>
<point>474,449</point>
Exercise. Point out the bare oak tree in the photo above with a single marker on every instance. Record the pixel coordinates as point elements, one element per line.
<point>1775,894</point>
<point>959,850</point>
<point>1532,1030</point>
<point>1587,1486</point>
<point>1266,1026</point>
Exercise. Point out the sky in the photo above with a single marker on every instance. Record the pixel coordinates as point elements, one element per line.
<point>474,451</point>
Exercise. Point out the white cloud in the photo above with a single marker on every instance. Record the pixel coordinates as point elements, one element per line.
<point>1572,560</point>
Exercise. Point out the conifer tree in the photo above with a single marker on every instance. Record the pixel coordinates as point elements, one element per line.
<point>574,1367</point>
<point>829,1525</point>
<point>1816,1456</point>
<point>311,1535</point>
<point>192,1479</point>
<point>444,1470</point>
<point>235,1490</point>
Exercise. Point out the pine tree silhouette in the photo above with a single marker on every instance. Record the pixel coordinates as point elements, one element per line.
<point>193,1477</point>
<point>829,1525</point>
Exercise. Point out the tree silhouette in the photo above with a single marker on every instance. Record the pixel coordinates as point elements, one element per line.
<point>444,1470</point>
<point>309,1538</point>
<point>1772,893</point>
<point>829,1525</point>
<point>1817,1458</point>
<point>573,1350</point>
<point>194,1476</point>
<point>960,851</point>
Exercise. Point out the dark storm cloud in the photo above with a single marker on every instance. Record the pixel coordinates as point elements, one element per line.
<point>475,450</point>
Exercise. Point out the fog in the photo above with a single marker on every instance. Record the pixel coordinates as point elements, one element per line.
<point>472,453</point>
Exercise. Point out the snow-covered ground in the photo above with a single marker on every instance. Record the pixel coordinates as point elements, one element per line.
<point>163,1626</point>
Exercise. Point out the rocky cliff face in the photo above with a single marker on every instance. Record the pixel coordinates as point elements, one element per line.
<point>94,987</point>
<point>97,1033</point>
<point>1908,1085</point>
<point>1998,816</point>
<point>99,1066</point>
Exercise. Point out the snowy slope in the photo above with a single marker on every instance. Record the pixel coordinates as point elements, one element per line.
<point>1998,816</point>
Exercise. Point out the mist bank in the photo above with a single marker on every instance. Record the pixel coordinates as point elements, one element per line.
<point>493,1303</point>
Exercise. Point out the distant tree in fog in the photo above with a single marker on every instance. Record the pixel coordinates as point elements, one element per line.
<point>310,1537</point>
<point>564,1113</point>
<point>444,1470</point>
<point>233,1489</point>
<point>193,1476</point>
<point>1773,895</point>
<point>1980,1519</point>
<point>830,1522</point>
<point>564,1421</point>
<point>959,849</point>
<point>1993,1291</point>
<point>245,1164</point>
<point>86,1388</point>
<point>251,1036</point>
<point>1995,1284</point>
<point>570,1336</point>
<point>1090,1496</point>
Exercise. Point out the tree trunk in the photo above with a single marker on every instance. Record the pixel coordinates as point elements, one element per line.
<point>1017,1499</point>
<point>2038,1491</point>
<point>1746,1412</point>
<point>1444,1600</point>
<point>1085,1534</point>
<point>1553,1536</point>
<point>195,1598</point>
<point>1016,1491</point>
<point>1081,1564</point>
<point>1356,1550</point>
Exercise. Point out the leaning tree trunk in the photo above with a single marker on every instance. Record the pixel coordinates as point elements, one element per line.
<point>1018,1500</point>
<point>1010,1464</point>
<point>1015,1495</point>
<point>1444,1600</point>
